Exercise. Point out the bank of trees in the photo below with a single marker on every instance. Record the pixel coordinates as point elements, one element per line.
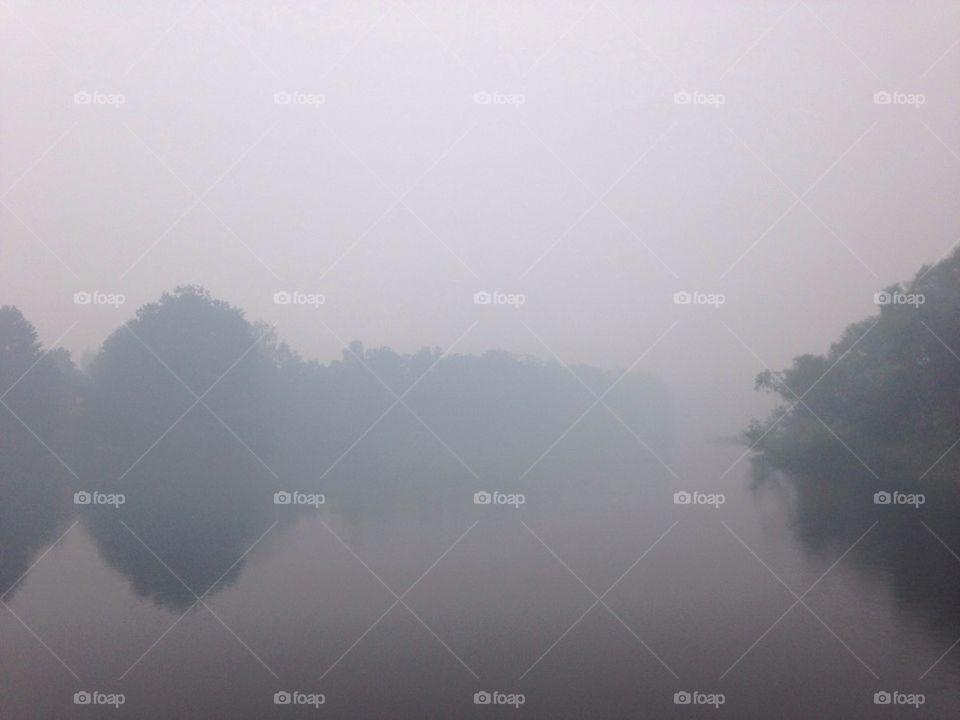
<point>889,387</point>
<point>198,415</point>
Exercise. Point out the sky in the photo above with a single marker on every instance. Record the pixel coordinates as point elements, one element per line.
<point>582,162</point>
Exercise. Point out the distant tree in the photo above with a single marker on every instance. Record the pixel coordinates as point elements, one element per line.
<point>19,346</point>
<point>37,386</point>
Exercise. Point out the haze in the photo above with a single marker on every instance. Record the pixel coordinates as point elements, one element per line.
<point>550,197</point>
<point>200,178</point>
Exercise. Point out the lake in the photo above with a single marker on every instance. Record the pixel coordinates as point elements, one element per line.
<point>578,591</point>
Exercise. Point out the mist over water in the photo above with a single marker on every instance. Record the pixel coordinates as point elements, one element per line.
<point>402,360</point>
<point>497,601</point>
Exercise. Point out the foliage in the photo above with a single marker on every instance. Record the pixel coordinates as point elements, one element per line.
<point>889,387</point>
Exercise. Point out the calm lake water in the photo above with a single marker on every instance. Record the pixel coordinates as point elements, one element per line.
<point>406,605</point>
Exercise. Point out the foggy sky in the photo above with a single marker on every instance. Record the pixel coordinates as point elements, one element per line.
<point>399,196</point>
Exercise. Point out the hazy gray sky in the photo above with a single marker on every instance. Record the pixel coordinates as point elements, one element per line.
<point>390,187</point>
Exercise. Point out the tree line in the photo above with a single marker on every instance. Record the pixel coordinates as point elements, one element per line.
<point>198,415</point>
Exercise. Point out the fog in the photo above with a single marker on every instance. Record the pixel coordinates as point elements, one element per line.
<point>523,206</point>
<point>200,178</point>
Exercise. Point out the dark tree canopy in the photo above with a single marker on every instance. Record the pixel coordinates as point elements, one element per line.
<point>889,387</point>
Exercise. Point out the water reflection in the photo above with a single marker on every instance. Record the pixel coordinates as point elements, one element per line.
<point>914,547</point>
<point>304,607</point>
<point>34,511</point>
<point>191,510</point>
